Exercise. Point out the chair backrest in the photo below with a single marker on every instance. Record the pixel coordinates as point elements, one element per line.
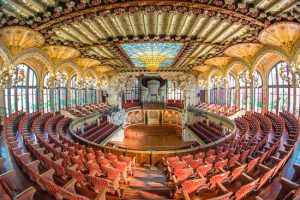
<point>183,174</point>
<point>246,189</point>
<point>204,169</point>
<point>267,176</point>
<point>193,185</point>
<point>237,172</point>
<point>252,164</point>
<point>219,178</point>
<point>195,163</point>
<point>220,164</point>
<point>223,197</point>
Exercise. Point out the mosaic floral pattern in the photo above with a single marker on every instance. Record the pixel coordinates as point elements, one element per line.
<point>141,51</point>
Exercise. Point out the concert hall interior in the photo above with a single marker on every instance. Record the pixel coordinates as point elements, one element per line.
<point>149,99</point>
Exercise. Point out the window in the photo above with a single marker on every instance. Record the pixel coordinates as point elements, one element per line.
<point>280,92</point>
<point>60,95</point>
<point>213,93</point>
<point>82,99</point>
<point>231,93</point>
<point>73,92</point>
<point>46,94</point>
<point>134,93</point>
<point>258,95</point>
<point>92,93</point>
<point>244,94</point>
<point>22,95</point>
<point>174,93</point>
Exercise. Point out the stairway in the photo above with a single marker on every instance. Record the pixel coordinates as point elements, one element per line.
<point>147,184</point>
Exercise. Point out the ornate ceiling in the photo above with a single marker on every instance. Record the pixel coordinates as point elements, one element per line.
<point>89,32</point>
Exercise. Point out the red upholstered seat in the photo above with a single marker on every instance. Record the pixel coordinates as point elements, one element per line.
<point>246,189</point>
<point>195,163</point>
<point>204,169</point>
<point>219,178</point>
<point>97,183</point>
<point>187,158</point>
<point>191,186</point>
<point>183,174</point>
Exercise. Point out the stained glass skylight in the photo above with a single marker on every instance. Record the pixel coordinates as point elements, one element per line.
<point>146,54</point>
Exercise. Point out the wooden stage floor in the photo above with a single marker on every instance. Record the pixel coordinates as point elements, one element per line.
<point>152,137</point>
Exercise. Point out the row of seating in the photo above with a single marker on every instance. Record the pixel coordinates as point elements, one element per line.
<point>80,111</point>
<point>253,123</point>
<point>206,133</point>
<point>60,158</point>
<point>277,123</point>
<point>265,123</point>
<point>98,133</point>
<point>251,155</point>
<point>223,110</point>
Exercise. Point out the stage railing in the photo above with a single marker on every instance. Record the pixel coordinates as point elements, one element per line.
<point>153,157</point>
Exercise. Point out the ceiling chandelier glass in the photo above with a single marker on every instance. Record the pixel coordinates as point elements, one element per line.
<point>11,74</point>
<point>286,71</point>
<point>56,79</point>
<point>203,83</point>
<point>248,78</point>
<point>220,81</point>
<point>89,81</point>
<point>79,84</point>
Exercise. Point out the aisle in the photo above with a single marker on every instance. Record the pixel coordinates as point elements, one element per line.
<point>146,184</point>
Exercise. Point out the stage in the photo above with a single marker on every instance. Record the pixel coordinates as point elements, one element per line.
<point>153,137</point>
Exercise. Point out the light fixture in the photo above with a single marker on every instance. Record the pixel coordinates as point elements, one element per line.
<point>248,78</point>
<point>203,83</point>
<point>220,81</point>
<point>284,72</point>
<point>9,74</point>
<point>79,84</point>
<point>55,79</point>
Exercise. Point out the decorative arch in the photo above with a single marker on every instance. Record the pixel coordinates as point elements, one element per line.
<point>5,54</point>
<point>269,49</point>
<point>35,53</point>
<point>214,70</point>
<point>296,52</point>
<point>71,64</point>
<point>233,63</point>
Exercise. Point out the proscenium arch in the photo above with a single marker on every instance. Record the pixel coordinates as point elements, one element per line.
<point>37,54</point>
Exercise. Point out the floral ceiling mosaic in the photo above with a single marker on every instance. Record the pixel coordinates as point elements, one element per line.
<point>161,54</point>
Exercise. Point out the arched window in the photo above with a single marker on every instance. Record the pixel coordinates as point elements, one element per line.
<point>213,92</point>
<point>280,94</point>
<point>46,94</point>
<point>133,94</point>
<point>60,95</point>
<point>73,92</point>
<point>258,95</point>
<point>92,92</point>
<point>244,94</point>
<point>231,94</point>
<point>82,99</point>
<point>174,93</point>
<point>22,95</point>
